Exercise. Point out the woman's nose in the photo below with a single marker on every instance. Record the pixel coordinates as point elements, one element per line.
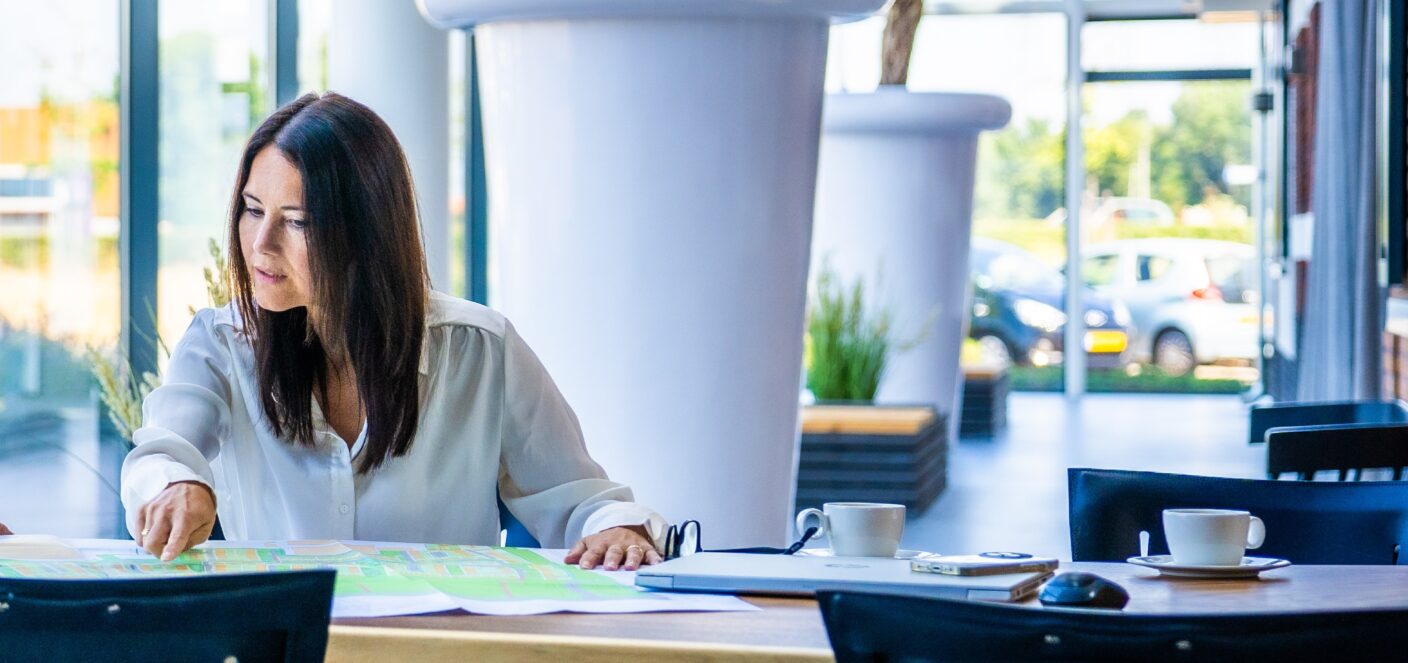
<point>266,237</point>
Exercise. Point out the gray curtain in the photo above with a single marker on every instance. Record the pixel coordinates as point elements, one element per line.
<point>1340,346</point>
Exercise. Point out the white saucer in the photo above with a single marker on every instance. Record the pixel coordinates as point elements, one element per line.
<point>1249,568</point>
<point>826,552</point>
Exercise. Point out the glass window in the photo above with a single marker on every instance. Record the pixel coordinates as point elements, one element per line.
<point>1232,275</point>
<point>214,91</point>
<point>314,22</point>
<point>458,115</point>
<point>1100,270</point>
<point>1150,267</point>
<point>1168,44</point>
<point>59,206</point>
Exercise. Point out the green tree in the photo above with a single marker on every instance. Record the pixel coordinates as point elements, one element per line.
<point>1021,171</point>
<point>1111,150</point>
<point>1211,129</point>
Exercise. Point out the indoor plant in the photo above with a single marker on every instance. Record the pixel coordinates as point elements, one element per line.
<point>852,449</point>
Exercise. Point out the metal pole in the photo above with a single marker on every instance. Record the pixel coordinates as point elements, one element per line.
<point>1074,346</point>
<point>476,208</point>
<point>140,128</point>
<point>1261,132</point>
<point>283,51</point>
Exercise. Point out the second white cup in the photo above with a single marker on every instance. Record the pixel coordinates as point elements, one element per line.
<point>857,529</point>
<point>1211,537</point>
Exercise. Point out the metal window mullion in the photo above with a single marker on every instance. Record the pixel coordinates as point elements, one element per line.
<point>1168,75</point>
<point>283,51</point>
<point>476,209</point>
<point>138,176</point>
<point>1073,348</point>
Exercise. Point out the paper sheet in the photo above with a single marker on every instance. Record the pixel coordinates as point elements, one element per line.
<point>377,579</point>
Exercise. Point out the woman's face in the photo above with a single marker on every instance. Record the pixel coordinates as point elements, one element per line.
<point>272,233</point>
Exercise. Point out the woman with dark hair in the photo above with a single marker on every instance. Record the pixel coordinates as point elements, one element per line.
<point>338,397</point>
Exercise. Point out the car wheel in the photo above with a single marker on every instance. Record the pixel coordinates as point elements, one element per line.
<point>1173,353</point>
<point>996,350</point>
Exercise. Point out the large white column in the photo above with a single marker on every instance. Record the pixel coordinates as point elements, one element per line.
<point>385,55</point>
<point>895,207</point>
<point>651,171</point>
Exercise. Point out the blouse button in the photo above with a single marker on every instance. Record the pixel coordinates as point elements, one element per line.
<point>344,509</point>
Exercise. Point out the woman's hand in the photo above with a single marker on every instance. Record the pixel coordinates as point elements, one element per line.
<point>611,547</point>
<point>4,530</point>
<point>179,518</point>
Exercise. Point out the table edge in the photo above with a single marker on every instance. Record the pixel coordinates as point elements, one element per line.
<point>349,643</point>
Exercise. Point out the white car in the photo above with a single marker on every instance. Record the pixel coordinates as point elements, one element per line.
<point>1191,301</point>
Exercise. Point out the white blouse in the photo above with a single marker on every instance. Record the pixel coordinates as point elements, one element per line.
<point>491,419</point>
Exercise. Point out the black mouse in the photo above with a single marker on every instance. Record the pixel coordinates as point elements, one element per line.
<point>1078,589</point>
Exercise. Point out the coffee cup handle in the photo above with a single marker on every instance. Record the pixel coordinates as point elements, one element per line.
<point>1256,533</point>
<point>821,524</point>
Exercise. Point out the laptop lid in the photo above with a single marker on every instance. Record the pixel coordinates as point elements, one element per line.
<point>741,573</point>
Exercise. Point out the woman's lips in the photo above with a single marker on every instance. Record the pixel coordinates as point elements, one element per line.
<point>268,277</point>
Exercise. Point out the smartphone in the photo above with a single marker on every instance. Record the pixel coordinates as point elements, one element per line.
<point>983,564</point>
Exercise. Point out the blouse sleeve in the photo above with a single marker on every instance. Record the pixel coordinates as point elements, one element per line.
<point>183,420</point>
<point>547,479</point>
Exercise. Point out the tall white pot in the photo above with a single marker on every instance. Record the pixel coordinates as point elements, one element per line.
<point>651,173</point>
<point>895,206</point>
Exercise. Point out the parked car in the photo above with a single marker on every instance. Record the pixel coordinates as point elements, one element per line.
<point>1019,305</point>
<point>1193,301</point>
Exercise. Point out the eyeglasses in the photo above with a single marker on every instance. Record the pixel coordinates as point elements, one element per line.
<point>682,539</point>
<point>685,539</point>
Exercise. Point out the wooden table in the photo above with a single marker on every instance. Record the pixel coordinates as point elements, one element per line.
<point>791,629</point>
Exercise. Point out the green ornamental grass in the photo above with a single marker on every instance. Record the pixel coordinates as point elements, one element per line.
<point>848,342</point>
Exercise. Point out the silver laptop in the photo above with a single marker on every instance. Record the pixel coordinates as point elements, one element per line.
<point>742,573</point>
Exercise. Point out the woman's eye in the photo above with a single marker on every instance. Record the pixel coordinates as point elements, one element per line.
<point>298,224</point>
<point>256,213</point>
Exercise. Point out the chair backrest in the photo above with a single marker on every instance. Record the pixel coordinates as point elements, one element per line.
<point>1266,417</point>
<point>1307,522</point>
<point>873,627</point>
<point>250,617</point>
<point>515,534</point>
<point>1306,450</point>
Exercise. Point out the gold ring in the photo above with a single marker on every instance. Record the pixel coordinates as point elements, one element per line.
<point>628,548</point>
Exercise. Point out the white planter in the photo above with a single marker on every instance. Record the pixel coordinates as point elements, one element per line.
<point>895,203</point>
<point>651,172</point>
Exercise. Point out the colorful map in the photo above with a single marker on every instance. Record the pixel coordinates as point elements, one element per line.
<point>378,579</point>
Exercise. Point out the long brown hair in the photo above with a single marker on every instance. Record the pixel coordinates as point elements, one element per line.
<point>367,267</point>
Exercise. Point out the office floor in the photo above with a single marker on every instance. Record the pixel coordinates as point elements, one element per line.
<point>1009,493</point>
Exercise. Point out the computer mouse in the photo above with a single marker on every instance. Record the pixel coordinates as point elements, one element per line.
<point>1077,589</point>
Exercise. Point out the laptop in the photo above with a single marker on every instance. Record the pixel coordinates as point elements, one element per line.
<point>744,573</point>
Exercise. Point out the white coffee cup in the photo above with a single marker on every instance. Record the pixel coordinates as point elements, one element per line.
<point>857,529</point>
<point>1211,537</point>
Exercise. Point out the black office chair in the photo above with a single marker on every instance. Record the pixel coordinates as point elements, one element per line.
<point>1307,522</point>
<point>250,617</point>
<point>1280,415</point>
<point>873,627</point>
<point>517,536</point>
<point>1349,449</point>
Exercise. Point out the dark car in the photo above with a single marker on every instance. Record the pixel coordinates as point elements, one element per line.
<point>1019,305</point>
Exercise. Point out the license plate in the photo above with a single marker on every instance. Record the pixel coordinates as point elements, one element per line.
<point>1105,340</point>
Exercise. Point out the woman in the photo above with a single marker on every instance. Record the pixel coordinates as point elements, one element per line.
<point>337,397</point>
